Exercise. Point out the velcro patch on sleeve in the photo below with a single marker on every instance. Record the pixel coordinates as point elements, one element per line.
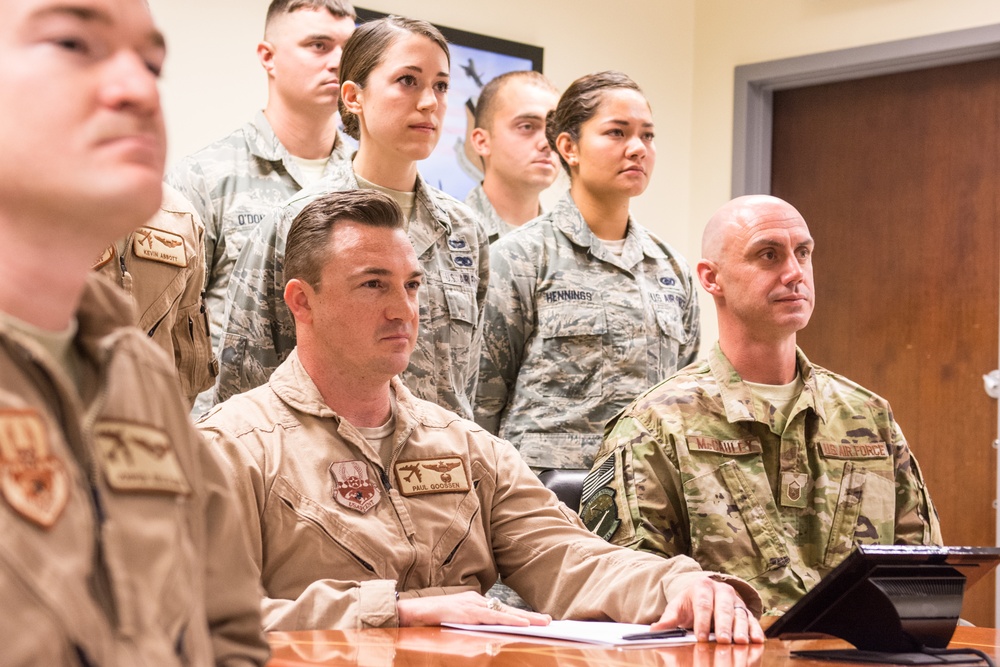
<point>441,475</point>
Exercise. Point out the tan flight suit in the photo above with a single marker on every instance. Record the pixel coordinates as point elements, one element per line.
<point>336,534</point>
<point>122,544</point>
<point>161,265</point>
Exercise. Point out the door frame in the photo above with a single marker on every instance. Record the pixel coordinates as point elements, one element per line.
<point>753,109</point>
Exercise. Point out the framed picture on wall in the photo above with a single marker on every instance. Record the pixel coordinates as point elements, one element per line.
<point>475,59</point>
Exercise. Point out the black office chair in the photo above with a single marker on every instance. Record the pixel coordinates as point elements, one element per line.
<point>567,484</point>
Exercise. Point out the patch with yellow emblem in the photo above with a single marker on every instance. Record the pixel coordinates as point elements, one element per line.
<point>34,482</point>
<point>443,475</point>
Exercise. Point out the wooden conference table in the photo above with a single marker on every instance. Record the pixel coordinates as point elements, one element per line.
<point>429,647</point>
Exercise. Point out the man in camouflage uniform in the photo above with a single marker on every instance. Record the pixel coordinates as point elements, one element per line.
<point>572,332</point>
<point>518,163</point>
<point>453,253</point>
<point>236,180</point>
<point>162,267</point>
<point>756,462</point>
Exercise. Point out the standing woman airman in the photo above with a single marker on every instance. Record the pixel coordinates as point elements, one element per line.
<point>586,308</point>
<point>394,76</point>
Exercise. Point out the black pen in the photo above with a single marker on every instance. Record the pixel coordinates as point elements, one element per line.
<point>658,634</point>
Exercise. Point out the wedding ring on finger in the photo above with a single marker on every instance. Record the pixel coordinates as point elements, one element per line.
<point>494,604</point>
<point>740,607</point>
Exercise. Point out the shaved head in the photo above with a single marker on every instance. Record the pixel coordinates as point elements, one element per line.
<point>735,218</point>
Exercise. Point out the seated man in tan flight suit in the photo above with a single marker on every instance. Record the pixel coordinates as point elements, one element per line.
<point>368,507</point>
<point>161,265</point>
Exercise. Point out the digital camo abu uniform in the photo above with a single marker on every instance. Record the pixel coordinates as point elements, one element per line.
<point>161,265</point>
<point>122,544</point>
<point>452,251</point>
<point>572,333</point>
<point>337,533</point>
<point>233,183</point>
<point>492,222</point>
<point>699,466</point>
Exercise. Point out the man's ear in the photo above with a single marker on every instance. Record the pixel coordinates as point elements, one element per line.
<point>265,54</point>
<point>299,296</point>
<point>708,275</point>
<point>480,140</point>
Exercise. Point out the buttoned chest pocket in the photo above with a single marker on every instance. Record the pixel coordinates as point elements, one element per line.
<point>731,528</point>
<point>865,512</point>
<point>237,226</point>
<point>571,355</point>
<point>672,335</point>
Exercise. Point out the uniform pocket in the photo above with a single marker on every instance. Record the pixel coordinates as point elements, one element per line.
<point>672,336</point>
<point>461,304</point>
<point>865,513</point>
<point>572,356</point>
<point>196,364</point>
<point>731,529</point>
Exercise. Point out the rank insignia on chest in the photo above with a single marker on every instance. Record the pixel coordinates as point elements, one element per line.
<point>159,246</point>
<point>34,482</point>
<point>793,489</point>
<point>443,475</point>
<point>354,490</point>
<point>139,458</point>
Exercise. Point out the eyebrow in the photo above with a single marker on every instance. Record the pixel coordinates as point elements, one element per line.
<point>379,271</point>
<point>92,15</point>
<point>624,123</point>
<point>774,243</point>
<point>414,68</point>
<point>529,116</point>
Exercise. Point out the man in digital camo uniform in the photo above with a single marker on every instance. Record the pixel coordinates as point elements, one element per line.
<point>756,462</point>
<point>122,542</point>
<point>518,163</point>
<point>292,143</point>
<point>369,507</point>
<point>162,267</point>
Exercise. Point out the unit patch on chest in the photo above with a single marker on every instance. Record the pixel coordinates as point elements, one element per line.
<point>354,489</point>
<point>106,256</point>
<point>159,246</point>
<point>139,458</point>
<point>443,475</point>
<point>33,481</point>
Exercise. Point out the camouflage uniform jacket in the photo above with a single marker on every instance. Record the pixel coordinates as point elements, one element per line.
<point>697,466</point>
<point>233,183</point>
<point>483,207</point>
<point>336,533</point>
<point>162,267</point>
<point>123,544</point>
<point>572,333</point>
<point>452,250</point>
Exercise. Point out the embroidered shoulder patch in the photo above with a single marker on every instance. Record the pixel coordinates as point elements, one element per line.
<point>733,447</point>
<point>443,475</point>
<point>159,246</point>
<point>34,482</point>
<point>105,257</point>
<point>854,450</point>
<point>600,513</point>
<point>139,458</point>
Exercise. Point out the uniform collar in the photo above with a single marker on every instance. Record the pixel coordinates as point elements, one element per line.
<point>737,399</point>
<point>263,143</point>
<point>566,217</point>
<point>293,385</point>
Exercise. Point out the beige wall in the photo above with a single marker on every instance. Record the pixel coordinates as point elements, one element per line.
<point>681,51</point>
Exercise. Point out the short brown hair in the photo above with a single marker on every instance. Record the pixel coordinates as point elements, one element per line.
<point>307,243</point>
<point>486,104</point>
<point>579,104</point>
<point>366,49</point>
<point>340,8</point>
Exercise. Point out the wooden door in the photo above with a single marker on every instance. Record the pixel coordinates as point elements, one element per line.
<point>898,177</point>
